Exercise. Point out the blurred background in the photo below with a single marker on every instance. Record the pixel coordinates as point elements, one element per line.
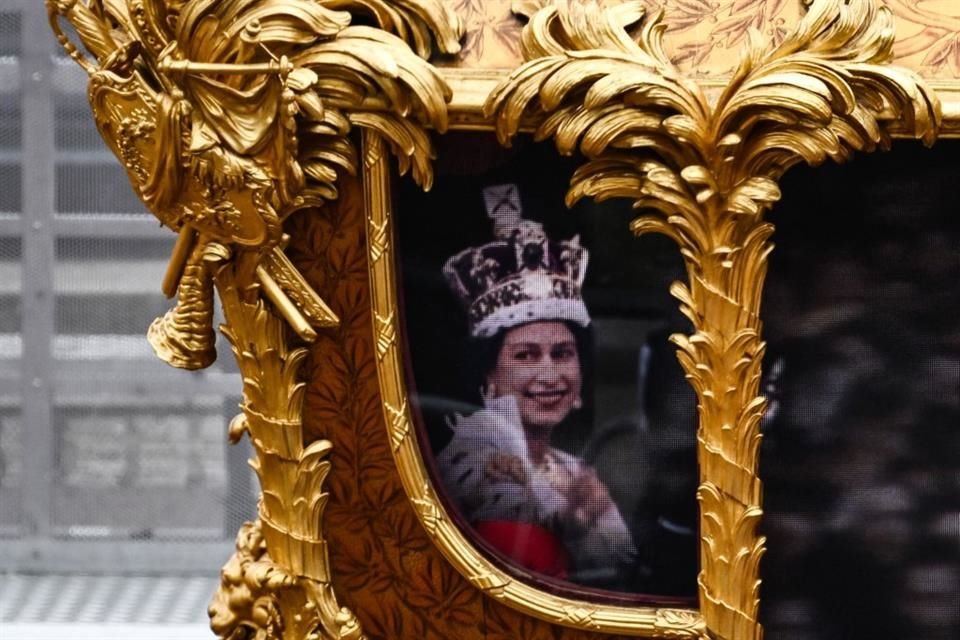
<point>861,453</point>
<point>119,495</point>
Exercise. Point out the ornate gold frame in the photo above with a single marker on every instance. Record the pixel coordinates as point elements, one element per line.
<point>295,78</point>
<point>456,546</point>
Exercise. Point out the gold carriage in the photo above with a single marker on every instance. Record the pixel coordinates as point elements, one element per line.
<point>287,142</point>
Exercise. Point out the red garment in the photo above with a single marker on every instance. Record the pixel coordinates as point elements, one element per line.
<point>533,547</point>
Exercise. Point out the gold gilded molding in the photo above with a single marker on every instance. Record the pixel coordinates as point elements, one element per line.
<point>479,570</point>
<point>229,117</point>
<point>704,172</point>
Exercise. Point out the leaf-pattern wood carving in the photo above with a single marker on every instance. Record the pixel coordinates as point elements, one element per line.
<point>703,37</point>
<point>384,566</point>
<point>928,36</point>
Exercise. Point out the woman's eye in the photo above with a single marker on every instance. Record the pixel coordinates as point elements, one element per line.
<point>522,355</point>
<point>564,355</point>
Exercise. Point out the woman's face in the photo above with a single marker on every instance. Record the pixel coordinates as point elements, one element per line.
<point>538,364</point>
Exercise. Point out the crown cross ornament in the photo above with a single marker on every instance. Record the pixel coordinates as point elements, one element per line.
<point>520,277</point>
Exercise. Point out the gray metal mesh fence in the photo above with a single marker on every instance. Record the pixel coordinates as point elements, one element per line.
<point>140,473</point>
<point>98,438</point>
<point>11,440</point>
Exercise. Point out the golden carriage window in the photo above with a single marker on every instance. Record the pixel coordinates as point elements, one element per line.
<point>531,333</point>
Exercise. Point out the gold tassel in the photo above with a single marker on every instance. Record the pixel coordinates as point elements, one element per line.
<point>184,336</point>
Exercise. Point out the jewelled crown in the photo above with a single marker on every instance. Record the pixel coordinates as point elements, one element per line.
<point>520,277</point>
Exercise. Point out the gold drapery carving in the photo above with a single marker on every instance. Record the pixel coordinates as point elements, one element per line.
<point>704,172</point>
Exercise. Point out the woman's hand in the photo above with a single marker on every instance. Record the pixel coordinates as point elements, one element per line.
<point>588,498</point>
<point>504,467</point>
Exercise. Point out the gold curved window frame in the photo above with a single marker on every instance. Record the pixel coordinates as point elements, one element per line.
<point>460,550</point>
<point>713,173</point>
<point>702,158</point>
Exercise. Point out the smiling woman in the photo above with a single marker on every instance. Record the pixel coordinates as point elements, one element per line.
<point>528,342</point>
<point>541,507</point>
<point>539,365</point>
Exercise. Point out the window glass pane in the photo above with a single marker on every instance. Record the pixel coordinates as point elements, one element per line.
<point>861,452</point>
<point>531,330</point>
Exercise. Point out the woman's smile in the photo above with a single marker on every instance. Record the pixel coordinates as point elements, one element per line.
<point>539,365</point>
<point>547,397</point>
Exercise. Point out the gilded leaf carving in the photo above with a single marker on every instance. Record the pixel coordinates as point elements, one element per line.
<point>277,582</point>
<point>386,334</point>
<point>378,240</point>
<point>229,116</point>
<point>703,172</point>
<point>399,426</point>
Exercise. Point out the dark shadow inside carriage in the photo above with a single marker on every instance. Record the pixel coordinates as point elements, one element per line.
<point>861,451</point>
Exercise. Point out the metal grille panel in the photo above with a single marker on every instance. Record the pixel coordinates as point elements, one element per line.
<point>112,600</point>
<point>100,442</point>
<point>140,474</point>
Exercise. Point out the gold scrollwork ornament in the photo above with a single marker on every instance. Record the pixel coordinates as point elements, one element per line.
<point>599,82</point>
<point>229,117</point>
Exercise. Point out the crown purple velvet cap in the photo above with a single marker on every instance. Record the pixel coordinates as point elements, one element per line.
<point>522,276</point>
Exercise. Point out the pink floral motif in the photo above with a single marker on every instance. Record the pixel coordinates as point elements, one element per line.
<point>492,32</point>
<point>700,33</point>
<point>928,37</point>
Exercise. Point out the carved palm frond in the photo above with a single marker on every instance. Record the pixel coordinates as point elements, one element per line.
<point>418,23</point>
<point>598,82</point>
<point>823,93</point>
<point>617,100</point>
<point>596,89</point>
<point>371,79</point>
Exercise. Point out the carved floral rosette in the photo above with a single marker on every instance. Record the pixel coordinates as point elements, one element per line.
<point>239,124</point>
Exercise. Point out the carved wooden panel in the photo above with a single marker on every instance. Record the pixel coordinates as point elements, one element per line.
<point>385,567</point>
